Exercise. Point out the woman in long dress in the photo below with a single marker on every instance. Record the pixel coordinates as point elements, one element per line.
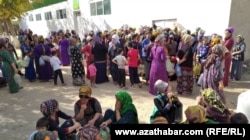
<point>158,66</point>
<point>64,50</point>
<point>100,57</point>
<point>9,67</point>
<point>212,74</point>
<point>44,71</point>
<point>77,65</point>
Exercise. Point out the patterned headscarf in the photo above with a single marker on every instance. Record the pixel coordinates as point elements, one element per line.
<point>195,114</point>
<point>48,107</point>
<point>85,90</point>
<point>88,132</point>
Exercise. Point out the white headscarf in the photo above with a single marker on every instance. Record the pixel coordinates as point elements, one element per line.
<point>116,38</point>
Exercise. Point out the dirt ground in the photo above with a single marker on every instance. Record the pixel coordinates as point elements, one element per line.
<point>19,112</point>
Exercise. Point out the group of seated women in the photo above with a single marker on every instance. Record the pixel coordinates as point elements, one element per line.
<point>89,123</point>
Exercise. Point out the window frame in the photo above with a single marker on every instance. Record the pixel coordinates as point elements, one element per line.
<point>48,15</point>
<point>61,14</point>
<point>95,6</point>
<point>40,17</point>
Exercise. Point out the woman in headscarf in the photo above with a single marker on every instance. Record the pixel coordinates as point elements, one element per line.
<point>41,50</point>
<point>229,43</point>
<point>30,73</point>
<point>87,51</point>
<point>8,67</point>
<point>158,65</point>
<point>197,115</point>
<point>238,56</point>
<point>212,74</point>
<point>185,62</point>
<point>100,57</point>
<point>166,103</point>
<point>114,46</point>
<point>77,63</point>
<point>88,109</point>
<point>64,49</point>
<point>50,110</point>
<point>125,111</point>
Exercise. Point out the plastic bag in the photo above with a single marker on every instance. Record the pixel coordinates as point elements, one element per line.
<point>18,79</point>
<point>197,69</point>
<point>19,64</point>
<point>178,70</point>
<point>26,61</point>
<point>41,61</point>
<point>170,67</point>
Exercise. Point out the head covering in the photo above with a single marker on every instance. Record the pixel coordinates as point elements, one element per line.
<point>230,29</point>
<point>89,38</point>
<point>116,38</point>
<point>85,90</point>
<point>160,120</point>
<point>187,38</point>
<point>48,107</point>
<point>241,37</point>
<point>126,102</point>
<point>217,52</point>
<point>40,39</point>
<point>88,132</point>
<point>196,114</point>
<point>161,86</point>
<point>97,38</point>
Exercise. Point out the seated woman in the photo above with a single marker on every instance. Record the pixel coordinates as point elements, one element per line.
<point>88,109</point>
<point>51,111</point>
<point>125,111</point>
<point>166,103</point>
<point>197,114</point>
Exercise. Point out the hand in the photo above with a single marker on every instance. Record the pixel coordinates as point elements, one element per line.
<point>104,124</point>
<point>170,94</point>
<point>91,122</point>
<point>117,106</point>
<point>84,107</point>
<point>16,71</point>
<point>77,125</point>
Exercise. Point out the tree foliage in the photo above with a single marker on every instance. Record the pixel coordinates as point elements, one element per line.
<point>10,9</point>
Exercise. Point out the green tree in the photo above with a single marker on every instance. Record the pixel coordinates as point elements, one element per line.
<point>14,9</point>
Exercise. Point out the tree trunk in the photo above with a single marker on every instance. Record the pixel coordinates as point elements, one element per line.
<point>9,27</point>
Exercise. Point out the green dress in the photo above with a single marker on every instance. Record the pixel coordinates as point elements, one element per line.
<point>6,58</point>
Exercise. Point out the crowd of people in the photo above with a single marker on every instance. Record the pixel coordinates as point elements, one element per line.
<point>166,55</point>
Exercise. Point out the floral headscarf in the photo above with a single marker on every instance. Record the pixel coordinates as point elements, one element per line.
<point>88,132</point>
<point>195,114</point>
<point>48,107</point>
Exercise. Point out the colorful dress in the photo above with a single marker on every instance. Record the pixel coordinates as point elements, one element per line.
<point>6,66</point>
<point>229,43</point>
<point>158,67</point>
<point>64,51</point>
<point>45,72</point>
<point>87,50</point>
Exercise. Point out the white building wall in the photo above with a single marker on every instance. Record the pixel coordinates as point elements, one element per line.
<point>212,15</point>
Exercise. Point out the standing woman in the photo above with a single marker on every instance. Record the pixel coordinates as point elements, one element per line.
<point>77,64</point>
<point>64,49</point>
<point>100,57</point>
<point>9,67</point>
<point>185,61</point>
<point>229,42</point>
<point>30,73</point>
<point>158,66</point>
<point>44,71</point>
<point>238,57</point>
<point>212,74</point>
<point>87,51</point>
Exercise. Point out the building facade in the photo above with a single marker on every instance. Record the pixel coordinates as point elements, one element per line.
<point>83,15</point>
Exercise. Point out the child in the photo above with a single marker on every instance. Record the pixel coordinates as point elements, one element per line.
<point>92,73</point>
<point>55,63</point>
<point>42,132</point>
<point>121,62</point>
<point>50,110</point>
<point>133,57</point>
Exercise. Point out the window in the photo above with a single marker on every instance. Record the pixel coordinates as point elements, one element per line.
<point>61,14</point>
<point>31,18</point>
<point>48,16</point>
<point>100,8</point>
<point>38,17</point>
